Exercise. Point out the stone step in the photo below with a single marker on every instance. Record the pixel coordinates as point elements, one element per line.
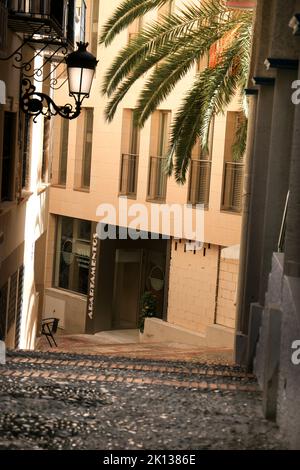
<point>121,362</point>
<point>61,366</point>
<point>97,366</point>
<point>58,375</point>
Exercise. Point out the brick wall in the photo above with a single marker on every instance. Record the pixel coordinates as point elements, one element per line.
<point>192,287</point>
<point>228,276</point>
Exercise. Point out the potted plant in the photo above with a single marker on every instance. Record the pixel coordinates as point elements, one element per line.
<point>148,308</point>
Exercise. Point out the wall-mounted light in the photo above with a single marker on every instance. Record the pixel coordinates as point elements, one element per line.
<point>295,24</point>
<point>81,66</point>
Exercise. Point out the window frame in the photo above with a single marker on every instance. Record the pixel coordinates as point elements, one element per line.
<point>87,111</point>
<point>201,159</point>
<point>160,128</point>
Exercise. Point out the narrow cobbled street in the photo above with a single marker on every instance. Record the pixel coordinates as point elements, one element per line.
<point>68,401</point>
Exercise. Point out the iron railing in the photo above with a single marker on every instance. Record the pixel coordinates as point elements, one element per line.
<point>233,186</point>
<point>128,175</point>
<point>28,16</point>
<point>157,181</point>
<point>39,8</point>
<point>282,235</point>
<point>199,183</point>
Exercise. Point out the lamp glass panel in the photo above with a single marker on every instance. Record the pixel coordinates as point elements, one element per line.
<point>80,80</point>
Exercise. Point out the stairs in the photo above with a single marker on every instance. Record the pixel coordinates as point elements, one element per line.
<point>103,369</point>
<point>56,400</point>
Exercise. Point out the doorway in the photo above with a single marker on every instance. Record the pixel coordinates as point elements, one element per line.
<point>127,270</point>
<point>127,288</point>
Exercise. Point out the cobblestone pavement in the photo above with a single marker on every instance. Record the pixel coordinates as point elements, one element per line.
<point>92,344</point>
<point>68,401</point>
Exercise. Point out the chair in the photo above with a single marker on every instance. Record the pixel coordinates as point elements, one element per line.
<point>49,328</point>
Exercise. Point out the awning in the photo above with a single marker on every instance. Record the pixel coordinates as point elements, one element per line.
<point>2,92</point>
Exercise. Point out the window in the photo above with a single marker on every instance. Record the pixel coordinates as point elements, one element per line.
<point>63,154</point>
<point>12,304</point>
<point>11,295</point>
<point>84,146</point>
<point>26,152</point>
<point>202,64</point>
<point>157,181</point>
<point>94,26</point>
<point>130,155</point>
<point>3,310</point>
<point>200,171</point>
<point>135,27</point>
<point>8,157</point>
<point>80,22</point>
<point>70,21</point>
<point>163,133</point>
<point>73,251</point>
<point>46,150</point>
<point>166,9</point>
<point>233,175</point>
<point>87,147</point>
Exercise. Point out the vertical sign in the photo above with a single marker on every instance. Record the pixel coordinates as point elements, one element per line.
<point>93,274</point>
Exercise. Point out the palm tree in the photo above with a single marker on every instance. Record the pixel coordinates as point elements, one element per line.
<point>168,48</point>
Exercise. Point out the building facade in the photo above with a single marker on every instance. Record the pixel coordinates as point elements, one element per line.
<point>95,285</point>
<point>30,33</point>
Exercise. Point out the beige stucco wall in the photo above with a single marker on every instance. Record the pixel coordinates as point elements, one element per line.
<point>192,277</point>
<point>23,220</point>
<point>69,307</point>
<point>220,228</point>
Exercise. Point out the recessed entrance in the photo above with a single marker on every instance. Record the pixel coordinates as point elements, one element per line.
<point>126,271</point>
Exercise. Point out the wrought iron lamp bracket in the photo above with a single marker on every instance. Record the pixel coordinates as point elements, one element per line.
<point>36,103</point>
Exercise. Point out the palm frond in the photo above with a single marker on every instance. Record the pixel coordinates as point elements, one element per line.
<point>124,15</point>
<point>130,10</point>
<point>173,30</point>
<point>178,59</point>
<point>168,48</point>
<point>210,95</point>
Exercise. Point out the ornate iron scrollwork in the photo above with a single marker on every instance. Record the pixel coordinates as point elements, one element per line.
<point>50,51</point>
<point>36,103</point>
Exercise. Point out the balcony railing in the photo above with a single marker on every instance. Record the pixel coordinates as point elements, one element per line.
<point>157,182</point>
<point>199,184</point>
<point>128,176</point>
<point>49,18</point>
<point>233,187</point>
<point>3,24</point>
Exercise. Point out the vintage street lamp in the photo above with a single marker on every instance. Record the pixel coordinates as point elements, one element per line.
<point>81,66</point>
